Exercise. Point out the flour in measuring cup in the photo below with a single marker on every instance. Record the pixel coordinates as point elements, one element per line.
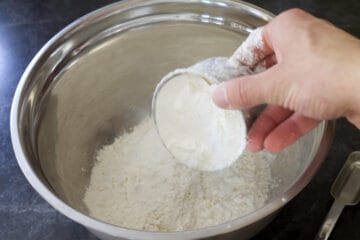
<point>195,131</point>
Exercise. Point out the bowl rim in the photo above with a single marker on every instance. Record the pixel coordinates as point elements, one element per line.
<point>100,226</point>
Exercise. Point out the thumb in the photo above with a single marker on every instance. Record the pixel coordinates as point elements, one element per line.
<point>250,91</point>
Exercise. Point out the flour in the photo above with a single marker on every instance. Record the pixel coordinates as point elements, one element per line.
<point>136,183</point>
<point>251,51</point>
<point>195,131</point>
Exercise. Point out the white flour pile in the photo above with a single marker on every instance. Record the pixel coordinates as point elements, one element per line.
<point>197,132</point>
<point>135,183</point>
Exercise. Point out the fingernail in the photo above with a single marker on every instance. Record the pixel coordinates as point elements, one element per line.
<point>220,96</point>
<point>252,146</point>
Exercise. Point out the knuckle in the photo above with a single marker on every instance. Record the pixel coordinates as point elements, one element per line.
<point>294,14</point>
<point>319,108</point>
<point>290,23</point>
<point>294,20</point>
<point>354,118</point>
<point>241,95</point>
<point>291,100</point>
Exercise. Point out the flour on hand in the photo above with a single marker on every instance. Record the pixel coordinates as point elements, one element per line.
<point>251,51</point>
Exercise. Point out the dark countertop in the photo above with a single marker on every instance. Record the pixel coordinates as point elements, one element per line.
<point>25,25</point>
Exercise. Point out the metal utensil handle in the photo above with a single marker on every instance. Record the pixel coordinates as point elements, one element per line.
<point>330,221</point>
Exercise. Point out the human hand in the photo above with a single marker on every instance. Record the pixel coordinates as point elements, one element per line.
<point>314,75</point>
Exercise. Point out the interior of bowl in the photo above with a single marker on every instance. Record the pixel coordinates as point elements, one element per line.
<point>96,82</point>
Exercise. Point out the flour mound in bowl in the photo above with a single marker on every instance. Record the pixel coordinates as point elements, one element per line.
<point>137,184</point>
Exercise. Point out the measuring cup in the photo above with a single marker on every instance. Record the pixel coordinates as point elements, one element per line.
<point>211,71</point>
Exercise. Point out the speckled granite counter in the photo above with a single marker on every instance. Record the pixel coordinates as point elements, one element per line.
<point>25,25</point>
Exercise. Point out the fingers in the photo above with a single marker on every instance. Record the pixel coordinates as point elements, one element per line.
<point>277,128</point>
<point>252,51</point>
<point>289,132</point>
<point>266,63</point>
<point>249,91</point>
<point>283,31</point>
<point>270,61</point>
<point>269,119</point>
<point>238,93</point>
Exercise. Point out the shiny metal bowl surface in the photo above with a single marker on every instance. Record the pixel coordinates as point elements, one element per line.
<point>95,79</point>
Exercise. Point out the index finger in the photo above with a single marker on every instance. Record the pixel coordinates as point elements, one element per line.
<point>253,50</point>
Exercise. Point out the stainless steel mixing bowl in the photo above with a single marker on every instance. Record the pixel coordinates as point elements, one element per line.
<point>95,79</point>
